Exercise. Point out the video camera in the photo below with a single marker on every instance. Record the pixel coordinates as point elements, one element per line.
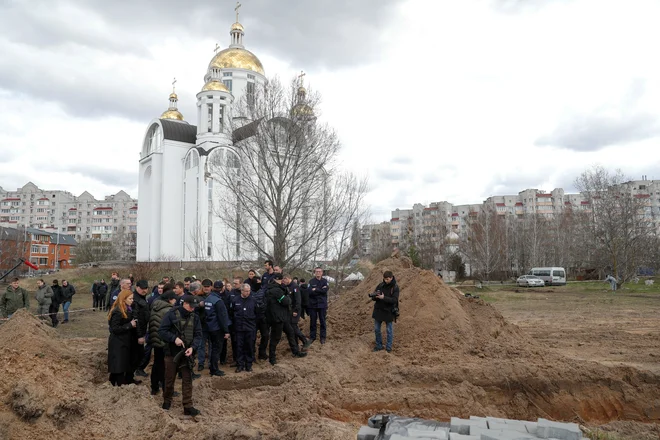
<point>374,294</point>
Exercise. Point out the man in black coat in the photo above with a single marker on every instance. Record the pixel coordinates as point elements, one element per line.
<point>278,303</point>
<point>386,299</point>
<point>296,310</point>
<point>141,314</point>
<point>56,301</point>
<point>304,298</point>
<point>101,292</point>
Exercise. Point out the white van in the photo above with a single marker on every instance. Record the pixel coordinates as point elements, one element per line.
<point>552,276</point>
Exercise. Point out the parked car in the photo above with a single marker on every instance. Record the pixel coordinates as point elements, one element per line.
<point>530,281</point>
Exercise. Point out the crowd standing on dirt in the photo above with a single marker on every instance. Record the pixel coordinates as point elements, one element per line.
<point>185,327</point>
<point>177,323</point>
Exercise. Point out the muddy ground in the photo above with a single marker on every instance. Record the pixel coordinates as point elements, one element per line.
<point>552,353</point>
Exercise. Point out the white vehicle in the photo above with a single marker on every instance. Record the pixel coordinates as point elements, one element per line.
<point>530,281</point>
<point>552,276</point>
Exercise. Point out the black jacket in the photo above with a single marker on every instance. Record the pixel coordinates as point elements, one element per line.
<point>383,308</point>
<point>101,290</point>
<point>120,343</point>
<point>296,301</point>
<point>57,294</point>
<point>141,313</point>
<point>278,303</point>
<point>244,313</point>
<point>67,293</point>
<point>254,284</point>
<point>304,295</point>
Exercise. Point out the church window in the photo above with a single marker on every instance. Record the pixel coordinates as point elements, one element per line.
<point>195,159</point>
<point>250,76</point>
<point>227,74</point>
<point>227,83</point>
<point>250,93</point>
<point>188,162</point>
<point>209,118</point>
<point>221,111</point>
<point>153,140</point>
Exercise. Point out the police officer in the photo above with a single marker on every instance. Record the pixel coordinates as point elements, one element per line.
<point>296,307</point>
<point>318,304</point>
<point>278,316</point>
<point>180,330</point>
<point>217,323</point>
<point>244,317</point>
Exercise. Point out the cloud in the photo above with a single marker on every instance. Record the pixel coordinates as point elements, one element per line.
<point>593,132</point>
<point>522,6</point>
<point>106,176</point>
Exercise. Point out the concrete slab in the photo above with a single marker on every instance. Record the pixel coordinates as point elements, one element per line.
<point>506,435</point>
<point>462,426</point>
<point>561,431</point>
<point>517,426</point>
<point>367,433</point>
<point>422,433</point>
<point>454,436</point>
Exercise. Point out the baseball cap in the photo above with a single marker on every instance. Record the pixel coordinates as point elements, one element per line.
<point>277,276</point>
<point>191,299</point>
<point>218,285</point>
<point>142,284</point>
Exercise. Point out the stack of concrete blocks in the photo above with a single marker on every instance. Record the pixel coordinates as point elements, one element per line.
<point>474,428</point>
<point>492,428</point>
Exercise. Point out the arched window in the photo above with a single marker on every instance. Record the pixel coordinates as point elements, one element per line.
<point>192,159</point>
<point>153,141</point>
<point>225,158</point>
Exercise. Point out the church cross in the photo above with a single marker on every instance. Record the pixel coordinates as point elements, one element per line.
<point>238,6</point>
<point>173,85</point>
<point>217,47</point>
<point>300,77</point>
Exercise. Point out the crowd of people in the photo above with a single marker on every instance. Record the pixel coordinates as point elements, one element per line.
<point>49,299</point>
<point>177,324</point>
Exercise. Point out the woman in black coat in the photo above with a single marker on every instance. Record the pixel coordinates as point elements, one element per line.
<point>121,339</point>
<point>386,298</point>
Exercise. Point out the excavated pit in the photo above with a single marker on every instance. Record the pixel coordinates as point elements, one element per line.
<point>452,356</point>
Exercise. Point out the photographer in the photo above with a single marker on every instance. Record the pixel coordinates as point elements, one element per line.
<point>386,299</point>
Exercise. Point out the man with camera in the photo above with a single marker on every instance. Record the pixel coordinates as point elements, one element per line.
<point>386,309</point>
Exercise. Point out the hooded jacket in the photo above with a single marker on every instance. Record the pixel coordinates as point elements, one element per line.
<point>44,295</point>
<point>278,303</point>
<point>384,308</point>
<point>12,300</point>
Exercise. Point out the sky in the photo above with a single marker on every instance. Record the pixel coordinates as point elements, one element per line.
<point>432,100</point>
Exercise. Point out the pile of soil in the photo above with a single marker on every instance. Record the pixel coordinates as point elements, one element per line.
<point>453,356</point>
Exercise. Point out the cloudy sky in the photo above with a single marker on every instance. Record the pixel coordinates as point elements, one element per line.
<point>434,100</point>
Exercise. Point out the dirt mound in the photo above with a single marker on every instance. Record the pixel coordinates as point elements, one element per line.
<point>433,315</point>
<point>453,356</point>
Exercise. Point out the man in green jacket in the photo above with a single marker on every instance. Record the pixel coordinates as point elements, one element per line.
<point>13,299</point>
<point>44,299</point>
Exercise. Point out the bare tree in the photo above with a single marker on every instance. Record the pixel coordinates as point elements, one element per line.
<point>94,250</point>
<point>620,221</point>
<point>196,245</point>
<point>484,244</point>
<point>288,193</point>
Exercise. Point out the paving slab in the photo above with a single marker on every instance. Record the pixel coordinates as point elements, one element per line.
<point>518,426</point>
<point>454,436</point>
<point>561,431</point>
<point>367,433</point>
<point>462,426</point>
<point>506,435</point>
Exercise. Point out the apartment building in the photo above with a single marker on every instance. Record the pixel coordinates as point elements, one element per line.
<point>47,250</point>
<point>440,220</point>
<point>113,218</point>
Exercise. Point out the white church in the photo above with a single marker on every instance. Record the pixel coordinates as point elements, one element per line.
<point>176,192</point>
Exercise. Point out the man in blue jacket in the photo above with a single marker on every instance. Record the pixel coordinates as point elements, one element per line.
<point>217,322</point>
<point>244,316</point>
<point>318,304</point>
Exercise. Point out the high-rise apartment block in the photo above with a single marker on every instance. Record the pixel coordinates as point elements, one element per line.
<point>112,219</point>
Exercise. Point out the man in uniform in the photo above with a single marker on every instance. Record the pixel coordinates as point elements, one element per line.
<point>277,314</point>
<point>181,330</point>
<point>296,307</point>
<point>217,326</point>
<point>318,304</point>
<point>244,316</point>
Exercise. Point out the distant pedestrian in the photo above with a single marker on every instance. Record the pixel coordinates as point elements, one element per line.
<point>101,292</point>
<point>67,296</point>
<point>56,301</point>
<point>44,299</point>
<point>613,282</point>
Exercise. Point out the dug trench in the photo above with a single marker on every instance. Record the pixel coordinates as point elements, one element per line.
<point>453,356</point>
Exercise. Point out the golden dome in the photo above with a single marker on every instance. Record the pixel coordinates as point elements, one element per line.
<point>302,110</point>
<point>237,58</point>
<point>215,84</point>
<point>172,114</point>
<point>237,27</point>
<point>302,90</point>
<point>173,96</point>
